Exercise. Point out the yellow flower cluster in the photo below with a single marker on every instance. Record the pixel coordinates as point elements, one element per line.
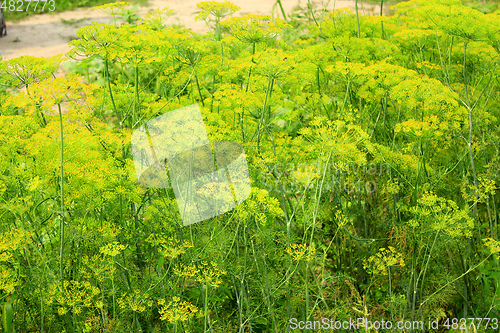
<point>77,296</point>
<point>8,280</point>
<point>306,177</point>
<point>339,22</point>
<point>207,273</point>
<point>301,251</point>
<point>26,70</point>
<point>273,62</point>
<point>95,267</point>
<point>414,38</point>
<point>344,140</point>
<point>341,218</point>
<point>189,271</point>
<point>378,263</point>
<point>176,310</point>
<point>13,240</point>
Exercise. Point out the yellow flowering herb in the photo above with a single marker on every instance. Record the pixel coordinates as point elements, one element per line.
<point>26,70</point>
<point>158,17</point>
<point>77,296</point>
<point>255,28</point>
<point>301,252</point>
<point>492,245</point>
<point>177,310</point>
<point>167,246</point>
<point>136,301</point>
<point>216,8</point>
<point>207,273</point>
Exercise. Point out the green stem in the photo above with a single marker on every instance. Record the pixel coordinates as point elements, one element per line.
<point>288,219</point>
<point>346,95</point>
<point>250,71</point>
<point>61,249</point>
<point>111,93</point>
<point>430,297</point>
<point>469,143</point>
<point>426,266</point>
<point>217,27</point>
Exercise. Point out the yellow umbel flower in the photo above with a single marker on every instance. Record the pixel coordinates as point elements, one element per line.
<point>135,301</point>
<point>112,8</point>
<point>217,9</point>
<point>112,249</point>
<point>210,274</point>
<point>492,245</point>
<point>8,280</point>
<point>167,246</point>
<point>10,242</point>
<point>26,70</point>
<point>255,28</point>
<point>441,214</point>
<point>207,273</point>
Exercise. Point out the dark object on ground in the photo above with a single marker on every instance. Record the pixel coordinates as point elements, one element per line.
<point>3,26</point>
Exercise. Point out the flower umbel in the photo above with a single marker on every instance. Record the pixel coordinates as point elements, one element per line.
<point>301,252</point>
<point>218,9</point>
<point>112,249</point>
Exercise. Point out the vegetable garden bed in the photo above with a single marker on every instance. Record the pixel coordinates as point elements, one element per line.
<point>372,151</point>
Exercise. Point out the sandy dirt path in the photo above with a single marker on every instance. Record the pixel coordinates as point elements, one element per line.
<point>46,35</point>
